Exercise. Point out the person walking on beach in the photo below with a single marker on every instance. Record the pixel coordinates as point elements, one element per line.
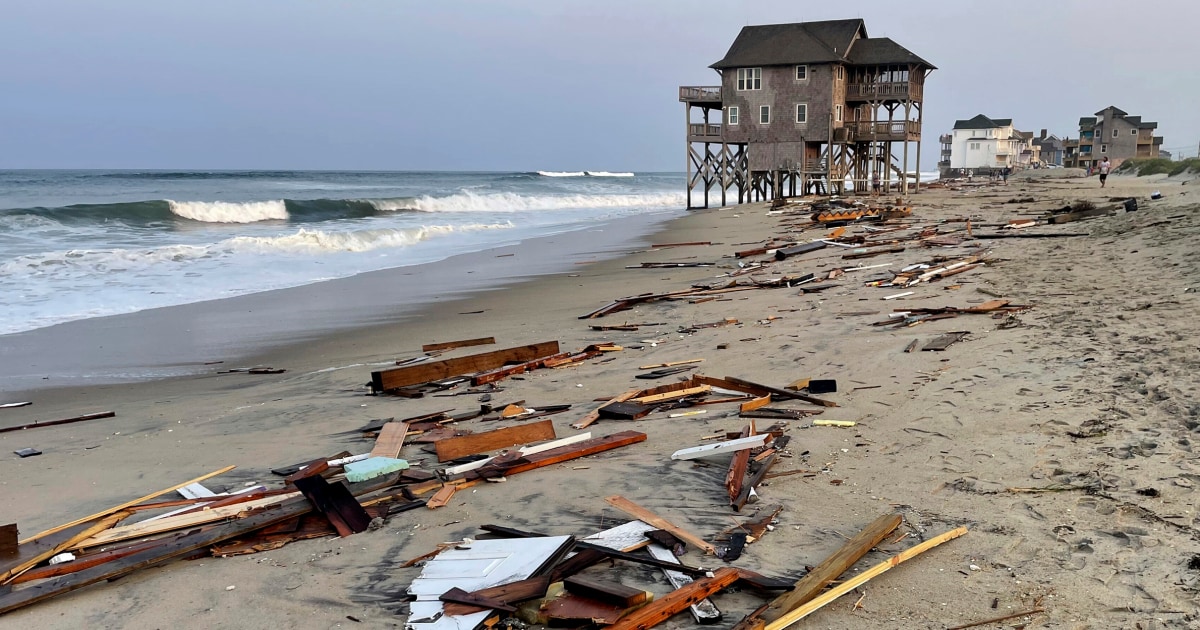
<point>1005,173</point>
<point>1103,171</point>
<point>875,182</point>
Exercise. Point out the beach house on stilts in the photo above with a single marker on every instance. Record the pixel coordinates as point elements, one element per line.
<point>805,108</point>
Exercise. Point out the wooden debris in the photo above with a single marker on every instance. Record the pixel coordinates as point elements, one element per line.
<point>747,490</point>
<point>1023,613</point>
<point>703,610</point>
<point>29,554</point>
<point>798,250</point>
<point>727,446</point>
<point>624,410</point>
<point>670,364</point>
<point>648,517</point>
<point>337,504</point>
<point>517,463</point>
<point>945,341</point>
<point>450,345</point>
<point>441,497</point>
<point>8,541</point>
<point>738,465</point>
<point>590,418</point>
<point>609,592</point>
<point>672,395</point>
<point>456,447</point>
<point>395,378</point>
<point>390,440</point>
<point>50,423</point>
<point>676,601</point>
<point>850,584</point>
<point>559,359</point>
<point>459,596</point>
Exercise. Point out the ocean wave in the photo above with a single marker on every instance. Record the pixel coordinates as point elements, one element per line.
<point>606,174</point>
<point>468,201</point>
<point>72,263</point>
<point>230,212</point>
<point>561,173</point>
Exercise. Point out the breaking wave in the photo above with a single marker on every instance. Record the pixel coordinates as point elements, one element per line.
<point>230,212</point>
<point>512,202</point>
<point>606,174</point>
<point>582,174</point>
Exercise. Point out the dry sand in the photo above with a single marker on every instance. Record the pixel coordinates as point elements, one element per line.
<point>1092,394</point>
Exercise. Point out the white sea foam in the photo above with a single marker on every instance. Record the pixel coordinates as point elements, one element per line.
<point>606,174</point>
<point>468,201</point>
<point>307,241</point>
<point>229,212</point>
<point>561,173</point>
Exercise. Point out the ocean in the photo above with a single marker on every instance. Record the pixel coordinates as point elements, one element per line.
<point>76,245</point>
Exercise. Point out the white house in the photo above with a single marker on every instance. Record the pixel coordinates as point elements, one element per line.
<point>983,142</point>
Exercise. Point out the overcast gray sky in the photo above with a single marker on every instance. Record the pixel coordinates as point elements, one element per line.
<point>522,85</point>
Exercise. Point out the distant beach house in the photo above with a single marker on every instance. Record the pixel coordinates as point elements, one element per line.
<point>1049,149</point>
<point>805,107</point>
<point>1114,134</point>
<point>986,143</point>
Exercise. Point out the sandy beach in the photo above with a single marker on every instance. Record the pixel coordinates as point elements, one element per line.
<point>1061,436</point>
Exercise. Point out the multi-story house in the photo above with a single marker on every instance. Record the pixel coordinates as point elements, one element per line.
<point>985,143</point>
<point>1114,134</point>
<point>1050,149</point>
<point>806,107</point>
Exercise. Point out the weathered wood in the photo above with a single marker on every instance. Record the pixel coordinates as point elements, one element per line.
<point>8,540</point>
<point>590,418</point>
<point>520,368</point>
<point>782,394</point>
<point>627,537</point>
<point>441,497</point>
<point>945,341</point>
<point>873,252</point>
<point>676,601</point>
<point>177,522</point>
<point>672,395</point>
<point>757,403</point>
<point>511,593</point>
<point>1023,613</point>
<point>337,504</point>
<point>609,592</point>
<point>862,578</point>
<point>624,410</point>
<point>456,447</point>
<point>81,563</point>
<point>607,551</point>
<point>1070,217</point>
<point>738,465</point>
<point>669,364</point>
<point>385,380</point>
<point>459,596</point>
<point>743,496</point>
<point>51,423</point>
<point>315,467</point>
<point>557,455</point>
<point>32,552</point>
<point>650,518</point>
<point>464,343</point>
<point>786,252</point>
<point>525,450</point>
<point>769,413</point>
<point>573,610</point>
<point>134,502</point>
<point>704,611</point>
<point>390,440</point>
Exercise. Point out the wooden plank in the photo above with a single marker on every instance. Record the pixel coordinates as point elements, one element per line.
<point>520,368</point>
<point>944,341</point>
<point>738,465</point>
<point>456,447</point>
<point>513,592</point>
<point>704,611</point>
<point>757,403</point>
<point>30,553</point>
<point>50,423</point>
<point>524,450</point>
<point>441,497</point>
<point>626,537</point>
<point>337,504</point>
<point>390,440</point>
<point>782,394</point>
<point>728,446</point>
<point>862,578</point>
<point>8,540</point>
<point>464,343</point>
<point>561,454</point>
<point>384,380</point>
<point>785,252</point>
<point>81,563</point>
<point>682,393</point>
<point>592,417</point>
<point>458,596</point>
<point>669,364</point>
<point>676,601</point>
<point>181,521</point>
<point>118,508</point>
<point>608,552</point>
<point>609,592</point>
<point>833,567</point>
<point>646,516</point>
<point>743,496</point>
<point>1070,217</point>
<point>574,610</point>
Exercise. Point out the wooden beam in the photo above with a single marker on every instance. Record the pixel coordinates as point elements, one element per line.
<point>743,495</point>
<point>738,465</point>
<point>607,592</point>
<point>118,508</point>
<point>181,521</point>
<point>727,446</point>
<point>555,456</point>
<point>676,601</point>
<point>520,368</point>
<point>441,497</point>
<point>607,551</point>
<point>650,518</point>
<point>390,440</point>
<point>833,567</point>
<point>682,393</point>
<point>782,394</point>
<point>335,501</point>
<point>458,596</point>
<point>593,416</point>
<point>450,345</point>
<point>50,423</point>
<point>29,554</point>
<point>384,380</point>
<point>704,611</point>
<point>456,447</point>
<point>862,578</point>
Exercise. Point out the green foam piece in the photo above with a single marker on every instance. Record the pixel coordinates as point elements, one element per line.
<point>372,467</point>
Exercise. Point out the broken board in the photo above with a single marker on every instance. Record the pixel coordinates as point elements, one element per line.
<point>456,447</point>
<point>394,378</point>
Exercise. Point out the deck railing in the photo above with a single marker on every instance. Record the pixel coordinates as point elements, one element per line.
<point>871,91</point>
<point>702,130</point>
<point>885,130</point>
<point>691,93</point>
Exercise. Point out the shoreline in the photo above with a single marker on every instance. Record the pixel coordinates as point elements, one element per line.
<point>202,337</point>
<point>1040,434</point>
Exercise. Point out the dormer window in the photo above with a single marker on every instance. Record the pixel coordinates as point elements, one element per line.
<point>749,79</point>
<point>802,73</point>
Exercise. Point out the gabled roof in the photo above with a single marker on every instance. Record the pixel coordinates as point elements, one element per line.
<point>786,44</point>
<point>1024,135</point>
<point>1087,122</point>
<point>982,122</point>
<point>1147,125</point>
<point>878,51</point>
<point>1114,109</point>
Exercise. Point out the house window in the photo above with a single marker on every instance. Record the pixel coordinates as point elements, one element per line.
<point>731,115</point>
<point>837,112</point>
<point>764,115</point>
<point>1104,148</point>
<point>1115,132</point>
<point>801,73</point>
<point>1133,132</point>
<point>841,73</point>
<point>749,79</point>
<point>801,113</point>
<point>974,146</point>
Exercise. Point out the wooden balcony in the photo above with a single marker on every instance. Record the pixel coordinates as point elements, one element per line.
<point>700,132</point>
<point>903,91</point>
<point>709,95</point>
<point>946,138</point>
<point>896,131</point>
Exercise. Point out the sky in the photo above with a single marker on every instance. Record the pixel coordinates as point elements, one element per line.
<point>523,85</point>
